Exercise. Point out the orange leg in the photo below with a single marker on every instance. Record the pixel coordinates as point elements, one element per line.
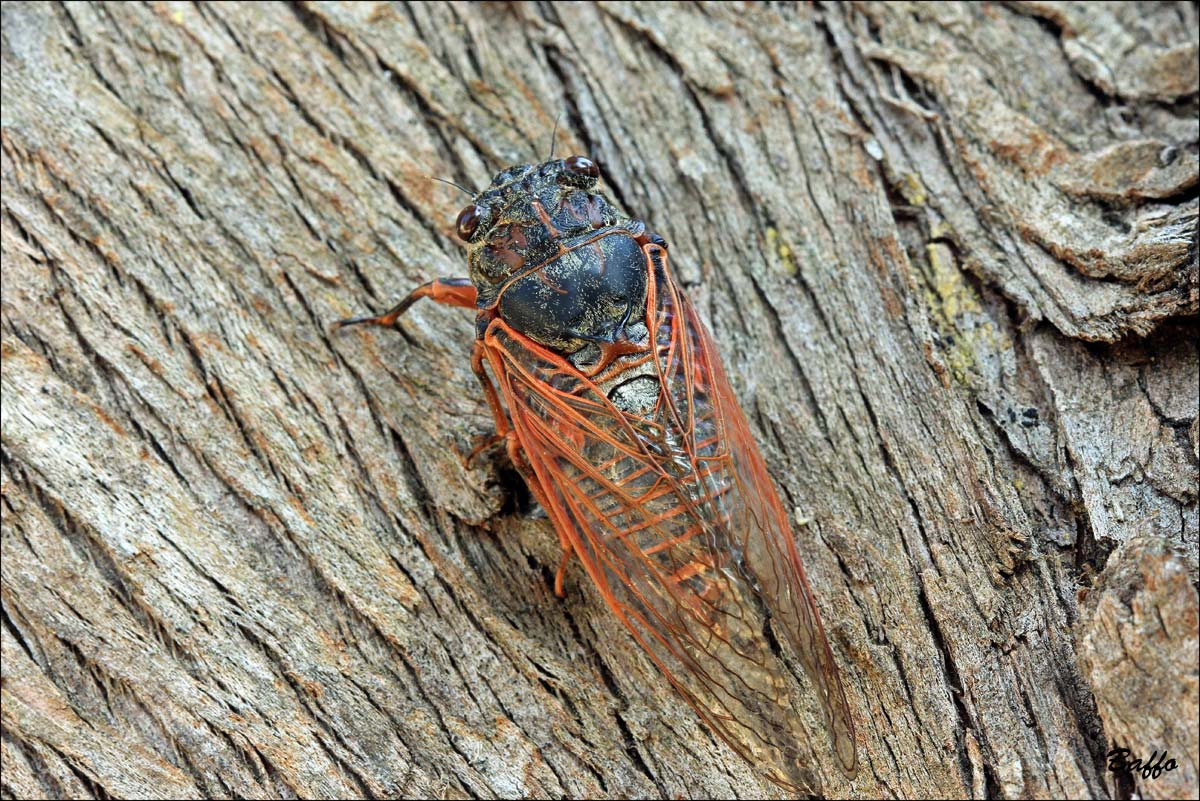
<point>489,390</point>
<point>562,570</point>
<point>450,291</point>
<point>493,399</point>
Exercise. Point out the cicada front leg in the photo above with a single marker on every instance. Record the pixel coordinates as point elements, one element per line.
<point>449,291</point>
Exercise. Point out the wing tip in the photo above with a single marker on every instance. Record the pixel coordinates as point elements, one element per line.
<point>847,756</point>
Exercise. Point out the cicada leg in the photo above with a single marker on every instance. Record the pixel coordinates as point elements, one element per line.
<point>450,291</point>
<point>493,400</point>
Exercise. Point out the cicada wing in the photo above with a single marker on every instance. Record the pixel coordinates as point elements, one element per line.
<point>654,478</point>
<point>771,549</point>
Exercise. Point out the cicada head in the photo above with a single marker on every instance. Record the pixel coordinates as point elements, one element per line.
<point>551,255</point>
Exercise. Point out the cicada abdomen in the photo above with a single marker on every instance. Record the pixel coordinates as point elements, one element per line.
<point>617,411</point>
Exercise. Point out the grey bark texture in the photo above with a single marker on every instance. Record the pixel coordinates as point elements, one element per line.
<point>948,250</point>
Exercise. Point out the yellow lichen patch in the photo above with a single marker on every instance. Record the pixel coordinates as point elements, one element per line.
<point>958,315</point>
<point>960,359</point>
<point>954,297</point>
<point>787,257</point>
<point>912,189</point>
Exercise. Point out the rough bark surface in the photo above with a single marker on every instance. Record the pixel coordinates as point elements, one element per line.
<point>950,254</point>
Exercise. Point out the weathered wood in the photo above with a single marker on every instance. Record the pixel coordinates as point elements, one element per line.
<point>950,253</point>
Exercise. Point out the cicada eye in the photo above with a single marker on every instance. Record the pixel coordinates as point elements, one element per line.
<point>468,221</point>
<point>580,170</point>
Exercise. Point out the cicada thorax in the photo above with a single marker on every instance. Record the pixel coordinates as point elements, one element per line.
<point>560,265</point>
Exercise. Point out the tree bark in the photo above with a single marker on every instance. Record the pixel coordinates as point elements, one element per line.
<point>949,252</point>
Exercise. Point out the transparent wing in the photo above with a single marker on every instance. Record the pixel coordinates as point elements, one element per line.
<point>653,476</point>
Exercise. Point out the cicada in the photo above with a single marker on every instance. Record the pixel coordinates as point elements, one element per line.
<point>613,405</point>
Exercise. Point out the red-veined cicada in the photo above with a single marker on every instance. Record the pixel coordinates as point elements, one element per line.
<point>615,408</point>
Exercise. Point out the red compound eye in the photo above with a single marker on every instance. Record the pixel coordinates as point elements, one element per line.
<point>582,167</point>
<point>468,221</point>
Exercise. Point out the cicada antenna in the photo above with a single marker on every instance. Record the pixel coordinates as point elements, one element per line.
<point>451,183</point>
<point>554,135</point>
